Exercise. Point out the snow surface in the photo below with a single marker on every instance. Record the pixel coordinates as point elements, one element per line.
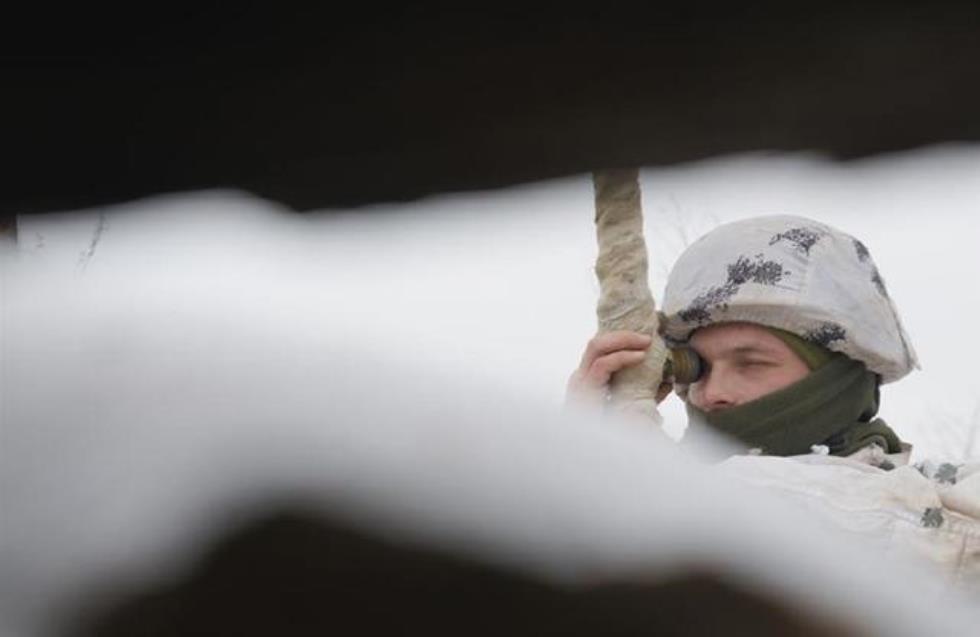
<point>179,356</point>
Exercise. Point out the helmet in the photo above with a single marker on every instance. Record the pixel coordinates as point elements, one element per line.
<point>795,274</point>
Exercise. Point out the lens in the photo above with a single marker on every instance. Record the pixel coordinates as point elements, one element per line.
<point>683,365</point>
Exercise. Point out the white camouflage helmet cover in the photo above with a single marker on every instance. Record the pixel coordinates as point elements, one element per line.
<point>795,274</point>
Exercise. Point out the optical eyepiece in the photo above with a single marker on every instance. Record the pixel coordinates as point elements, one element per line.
<point>683,365</point>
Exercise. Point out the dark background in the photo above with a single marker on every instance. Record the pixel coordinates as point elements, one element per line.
<point>341,105</point>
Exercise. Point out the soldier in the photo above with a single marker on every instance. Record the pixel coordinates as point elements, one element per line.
<point>795,331</point>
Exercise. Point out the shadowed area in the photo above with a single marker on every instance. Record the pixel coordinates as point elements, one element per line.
<point>326,107</point>
<point>294,572</point>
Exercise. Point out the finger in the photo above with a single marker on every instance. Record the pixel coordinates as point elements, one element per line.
<point>609,342</point>
<point>604,367</point>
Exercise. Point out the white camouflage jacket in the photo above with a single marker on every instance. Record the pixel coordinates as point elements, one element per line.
<point>927,510</point>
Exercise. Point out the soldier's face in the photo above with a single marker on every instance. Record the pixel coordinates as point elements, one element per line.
<point>743,361</point>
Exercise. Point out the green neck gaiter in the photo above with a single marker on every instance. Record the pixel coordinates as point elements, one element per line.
<point>833,406</point>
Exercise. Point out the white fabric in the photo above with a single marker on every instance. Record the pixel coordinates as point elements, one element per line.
<point>930,511</point>
<point>792,273</point>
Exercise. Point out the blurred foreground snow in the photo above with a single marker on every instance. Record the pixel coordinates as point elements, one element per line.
<point>404,365</point>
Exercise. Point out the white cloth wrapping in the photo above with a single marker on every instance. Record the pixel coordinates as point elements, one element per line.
<point>795,274</point>
<point>928,511</point>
